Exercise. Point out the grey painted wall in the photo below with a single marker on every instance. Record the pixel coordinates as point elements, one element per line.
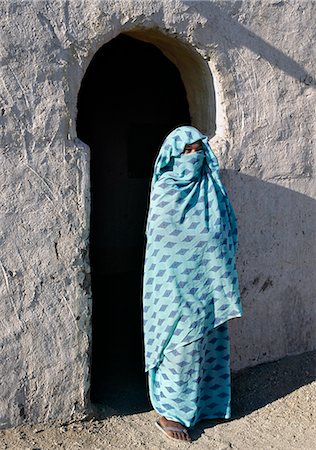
<point>262,58</point>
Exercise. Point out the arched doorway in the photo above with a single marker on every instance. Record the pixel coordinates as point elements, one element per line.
<point>130,98</point>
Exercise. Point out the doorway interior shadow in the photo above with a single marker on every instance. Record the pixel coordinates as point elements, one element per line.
<point>130,98</point>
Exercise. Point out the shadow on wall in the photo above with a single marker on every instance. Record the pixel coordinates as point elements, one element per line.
<point>277,275</point>
<point>239,36</point>
<point>277,272</point>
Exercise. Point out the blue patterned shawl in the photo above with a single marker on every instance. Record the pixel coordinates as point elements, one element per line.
<point>190,280</point>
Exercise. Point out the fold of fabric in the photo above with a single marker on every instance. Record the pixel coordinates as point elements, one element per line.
<point>193,382</point>
<point>190,282</point>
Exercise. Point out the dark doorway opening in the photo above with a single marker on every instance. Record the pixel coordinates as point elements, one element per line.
<point>131,97</point>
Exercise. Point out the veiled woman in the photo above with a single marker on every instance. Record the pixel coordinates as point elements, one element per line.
<point>190,285</point>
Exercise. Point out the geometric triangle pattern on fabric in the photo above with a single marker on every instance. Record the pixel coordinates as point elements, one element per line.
<point>194,382</point>
<point>190,282</point>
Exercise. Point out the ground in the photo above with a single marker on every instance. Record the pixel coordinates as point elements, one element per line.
<point>274,407</point>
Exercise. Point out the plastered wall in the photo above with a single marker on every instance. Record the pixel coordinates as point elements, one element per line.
<point>262,58</point>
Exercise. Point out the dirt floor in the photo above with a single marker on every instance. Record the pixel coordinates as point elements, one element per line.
<point>274,407</point>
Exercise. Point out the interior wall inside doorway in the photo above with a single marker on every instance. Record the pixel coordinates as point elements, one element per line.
<point>130,98</point>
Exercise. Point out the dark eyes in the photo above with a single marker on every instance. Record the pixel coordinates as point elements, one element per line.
<point>189,150</point>
<point>188,147</point>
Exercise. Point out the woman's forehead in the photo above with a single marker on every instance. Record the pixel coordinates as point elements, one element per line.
<point>199,142</point>
<point>182,138</point>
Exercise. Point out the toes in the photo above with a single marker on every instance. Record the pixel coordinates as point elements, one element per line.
<point>174,434</point>
<point>179,435</point>
<point>187,437</point>
<point>183,436</point>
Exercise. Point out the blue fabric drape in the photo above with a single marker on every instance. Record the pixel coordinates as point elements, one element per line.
<point>193,382</point>
<point>190,283</point>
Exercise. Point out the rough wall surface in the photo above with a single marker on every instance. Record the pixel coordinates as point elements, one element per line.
<point>263,61</point>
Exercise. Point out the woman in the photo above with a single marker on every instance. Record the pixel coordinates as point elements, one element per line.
<point>190,285</point>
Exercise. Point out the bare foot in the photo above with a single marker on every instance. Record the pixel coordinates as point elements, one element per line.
<point>181,435</point>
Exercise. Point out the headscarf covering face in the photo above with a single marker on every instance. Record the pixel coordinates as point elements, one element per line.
<point>190,282</point>
<point>172,151</point>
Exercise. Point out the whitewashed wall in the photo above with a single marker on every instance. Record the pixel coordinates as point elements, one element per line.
<point>262,56</point>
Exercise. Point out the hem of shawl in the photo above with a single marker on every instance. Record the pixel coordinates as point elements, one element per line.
<point>235,316</point>
<point>165,350</point>
<point>202,332</point>
<point>181,344</point>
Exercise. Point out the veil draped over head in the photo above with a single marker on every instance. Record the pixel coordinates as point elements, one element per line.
<point>190,282</point>
<point>173,147</point>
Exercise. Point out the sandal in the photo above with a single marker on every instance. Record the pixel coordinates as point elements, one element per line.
<point>164,429</point>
